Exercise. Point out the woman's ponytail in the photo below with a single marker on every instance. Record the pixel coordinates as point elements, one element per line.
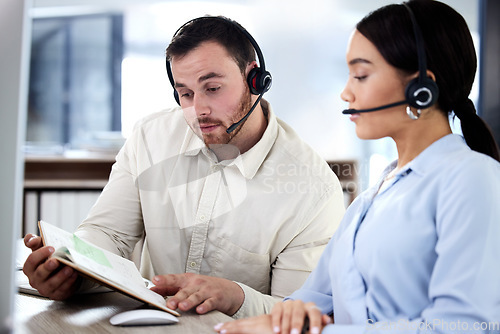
<point>476,132</point>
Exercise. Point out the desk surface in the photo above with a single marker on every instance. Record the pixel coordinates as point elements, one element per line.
<point>91,313</point>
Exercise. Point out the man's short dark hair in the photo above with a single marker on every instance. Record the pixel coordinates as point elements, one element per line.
<point>218,29</point>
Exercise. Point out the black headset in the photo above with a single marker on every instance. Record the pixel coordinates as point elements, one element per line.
<point>421,92</point>
<point>259,80</point>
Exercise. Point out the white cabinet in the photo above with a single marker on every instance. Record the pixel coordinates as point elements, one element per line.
<point>65,209</point>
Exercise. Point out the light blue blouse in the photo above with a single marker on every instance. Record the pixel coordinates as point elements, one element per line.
<point>421,255</point>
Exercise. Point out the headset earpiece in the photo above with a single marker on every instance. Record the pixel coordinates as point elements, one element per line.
<point>176,97</point>
<point>171,79</point>
<point>259,81</point>
<point>421,94</point>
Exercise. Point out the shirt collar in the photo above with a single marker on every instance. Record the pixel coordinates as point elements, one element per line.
<point>192,144</point>
<point>254,157</point>
<point>249,162</point>
<point>428,157</point>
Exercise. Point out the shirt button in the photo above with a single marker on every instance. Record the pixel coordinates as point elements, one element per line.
<point>193,264</point>
<point>215,168</point>
<point>202,218</point>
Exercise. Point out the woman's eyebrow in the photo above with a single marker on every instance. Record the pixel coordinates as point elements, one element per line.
<point>358,61</point>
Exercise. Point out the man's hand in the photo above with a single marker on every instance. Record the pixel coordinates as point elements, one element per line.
<point>48,276</point>
<point>206,293</point>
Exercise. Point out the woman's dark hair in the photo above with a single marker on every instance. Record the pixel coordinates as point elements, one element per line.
<point>450,56</point>
<point>217,29</point>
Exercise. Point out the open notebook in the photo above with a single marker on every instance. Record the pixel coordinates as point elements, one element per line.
<point>98,264</point>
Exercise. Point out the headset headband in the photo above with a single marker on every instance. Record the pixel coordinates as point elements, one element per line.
<point>421,92</point>
<point>422,59</point>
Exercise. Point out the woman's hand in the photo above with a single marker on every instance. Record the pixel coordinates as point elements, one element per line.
<point>286,318</point>
<point>289,317</point>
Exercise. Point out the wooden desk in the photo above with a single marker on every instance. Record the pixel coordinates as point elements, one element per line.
<point>91,313</point>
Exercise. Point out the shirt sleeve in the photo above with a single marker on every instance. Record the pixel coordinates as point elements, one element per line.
<point>115,221</point>
<point>464,283</point>
<point>255,303</point>
<point>317,287</point>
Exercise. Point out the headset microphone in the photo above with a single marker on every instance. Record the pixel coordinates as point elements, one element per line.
<point>355,111</point>
<point>235,125</point>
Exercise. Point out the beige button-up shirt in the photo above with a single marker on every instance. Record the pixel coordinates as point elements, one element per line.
<point>261,219</point>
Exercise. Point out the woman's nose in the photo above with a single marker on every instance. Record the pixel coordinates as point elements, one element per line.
<point>346,95</point>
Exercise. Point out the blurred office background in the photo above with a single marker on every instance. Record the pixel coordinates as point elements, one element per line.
<point>97,66</point>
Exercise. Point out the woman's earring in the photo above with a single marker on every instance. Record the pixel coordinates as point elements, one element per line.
<point>412,115</point>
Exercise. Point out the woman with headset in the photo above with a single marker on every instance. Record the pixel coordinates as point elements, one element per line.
<point>418,251</point>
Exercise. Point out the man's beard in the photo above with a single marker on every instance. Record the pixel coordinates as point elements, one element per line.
<point>225,138</point>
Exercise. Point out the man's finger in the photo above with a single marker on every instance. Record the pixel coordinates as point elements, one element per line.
<point>172,280</point>
<point>168,285</point>
<point>208,305</point>
<point>164,290</point>
<point>27,238</point>
<point>196,299</point>
<point>180,299</point>
<point>36,259</point>
<point>67,288</point>
<point>60,286</point>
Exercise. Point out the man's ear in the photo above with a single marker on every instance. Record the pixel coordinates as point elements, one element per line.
<point>250,66</point>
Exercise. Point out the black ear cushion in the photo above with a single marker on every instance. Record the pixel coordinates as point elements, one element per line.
<point>421,95</point>
<point>176,97</point>
<point>259,81</point>
<point>171,79</point>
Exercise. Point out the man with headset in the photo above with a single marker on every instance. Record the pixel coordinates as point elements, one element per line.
<point>232,207</point>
